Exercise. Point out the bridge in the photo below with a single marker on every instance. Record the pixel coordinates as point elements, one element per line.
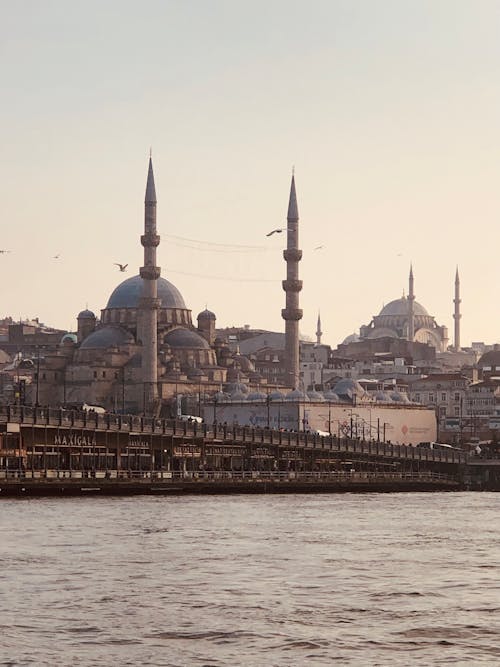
<point>50,448</point>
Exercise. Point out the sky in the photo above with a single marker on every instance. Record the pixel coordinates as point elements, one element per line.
<point>388,111</point>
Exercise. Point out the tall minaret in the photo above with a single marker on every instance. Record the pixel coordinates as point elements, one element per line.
<point>292,286</point>
<point>319,333</point>
<point>149,302</point>
<point>411,314</point>
<point>456,316</point>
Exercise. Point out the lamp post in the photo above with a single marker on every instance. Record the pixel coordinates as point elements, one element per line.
<point>268,403</point>
<point>123,390</point>
<point>329,418</point>
<point>199,397</point>
<point>37,375</point>
<point>215,408</point>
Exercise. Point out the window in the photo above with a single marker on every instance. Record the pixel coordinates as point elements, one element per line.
<point>443,396</point>
<point>457,396</point>
<point>95,374</point>
<point>457,411</point>
<point>417,398</point>
<point>104,374</point>
<point>431,398</point>
<point>442,412</point>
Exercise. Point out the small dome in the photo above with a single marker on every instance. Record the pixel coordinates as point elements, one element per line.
<point>276,396</point>
<point>86,315</point>
<point>257,396</point>
<point>69,338</point>
<point>185,338</point>
<point>206,315</point>
<point>107,337</point>
<point>353,338</point>
<point>316,396</point>
<point>128,293</point>
<point>297,395</point>
<point>399,308</point>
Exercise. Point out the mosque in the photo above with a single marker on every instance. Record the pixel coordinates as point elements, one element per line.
<point>144,348</point>
<point>407,319</point>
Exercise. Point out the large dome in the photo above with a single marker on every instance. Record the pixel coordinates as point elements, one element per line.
<point>399,308</point>
<point>128,293</point>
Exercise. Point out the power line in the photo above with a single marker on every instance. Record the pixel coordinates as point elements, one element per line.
<point>225,278</point>
<point>219,247</point>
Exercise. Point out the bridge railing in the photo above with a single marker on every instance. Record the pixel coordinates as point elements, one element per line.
<point>41,416</point>
<point>224,475</point>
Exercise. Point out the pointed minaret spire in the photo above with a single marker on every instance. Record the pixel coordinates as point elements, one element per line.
<point>411,314</point>
<point>292,286</point>
<point>293,211</point>
<point>149,302</point>
<point>150,197</point>
<point>319,333</point>
<point>457,316</point>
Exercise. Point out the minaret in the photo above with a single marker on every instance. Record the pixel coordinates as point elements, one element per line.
<point>456,316</point>
<point>149,302</point>
<point>292,286</point>
<point>411,314</point>
<point>319,333</point>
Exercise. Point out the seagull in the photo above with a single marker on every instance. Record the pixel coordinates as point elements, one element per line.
<point>56,256</point>
<point>3,252</point>
<point>123,267</point>
<point>275,231</point>
<point>320,247</point>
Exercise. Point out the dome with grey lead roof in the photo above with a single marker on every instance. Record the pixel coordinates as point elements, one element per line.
<point>297,395</point>
<point>108,336</point>
<point>185,338</point>
<point>257,396</point>
<point>129,292</point>
<point>400,307</point>
<point>206,315</point>
<point>86,315</point>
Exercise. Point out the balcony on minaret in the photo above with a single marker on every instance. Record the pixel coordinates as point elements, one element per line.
<point>292,285</point>
<point>150,272</point>
<point>292,254</point>
<point>150,240</point>
<point>291,314</point>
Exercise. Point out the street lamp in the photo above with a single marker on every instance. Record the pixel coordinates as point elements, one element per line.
<point>37,375</point>
<point>215,408</point>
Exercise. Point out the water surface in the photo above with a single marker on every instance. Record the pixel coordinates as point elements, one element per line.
<point>369,580</point>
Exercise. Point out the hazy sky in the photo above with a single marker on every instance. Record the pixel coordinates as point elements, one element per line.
<point>389,110</point>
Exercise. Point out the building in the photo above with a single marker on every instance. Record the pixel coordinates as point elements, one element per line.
<point>407,319</point>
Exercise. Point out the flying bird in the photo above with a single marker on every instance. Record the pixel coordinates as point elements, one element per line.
<point>56,256</point>
<point>319,247</point>
<point>122,267</point>
<point>3,252</point>
<point>275,231</point>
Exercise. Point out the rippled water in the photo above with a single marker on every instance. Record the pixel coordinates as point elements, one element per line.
<point>388,579</point>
